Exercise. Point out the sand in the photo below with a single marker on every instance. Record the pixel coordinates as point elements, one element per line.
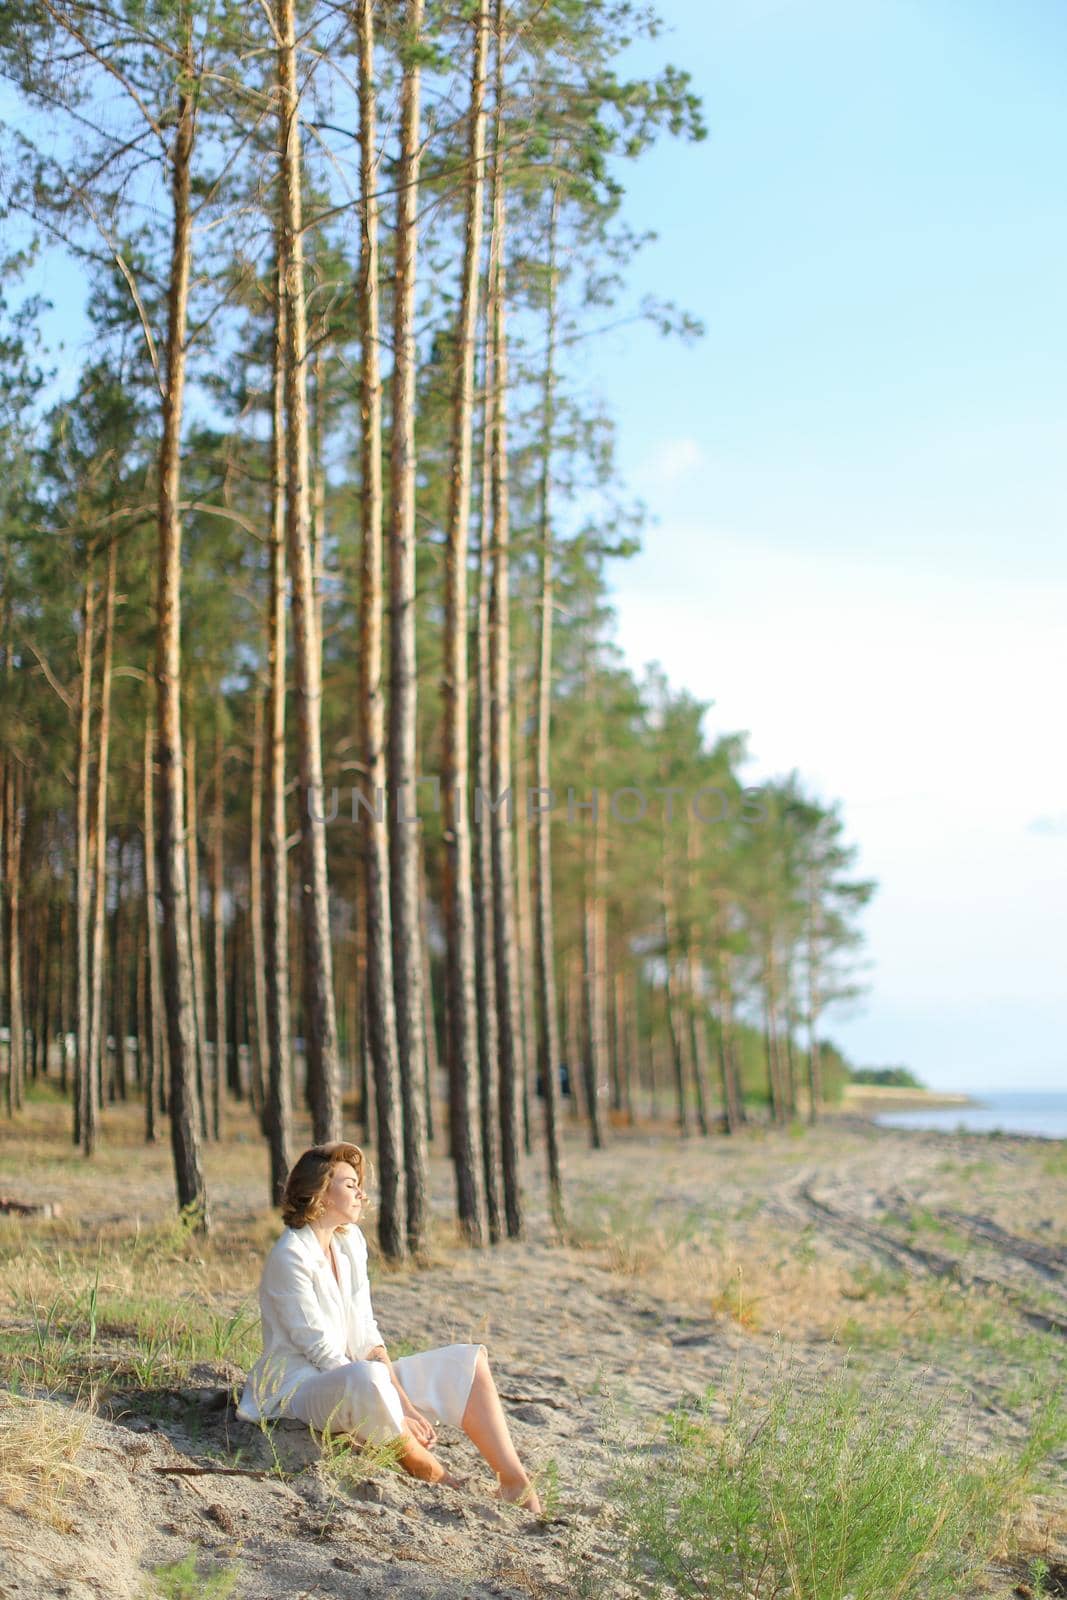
<point>590,1342</point>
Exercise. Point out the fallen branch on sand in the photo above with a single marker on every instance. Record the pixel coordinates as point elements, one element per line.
<point>212,1472</point>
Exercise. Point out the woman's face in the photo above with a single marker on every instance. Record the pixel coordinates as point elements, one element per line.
<point>343,1198</point>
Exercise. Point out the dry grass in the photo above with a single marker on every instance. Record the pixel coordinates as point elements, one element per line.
<point>349,1462</point>
<point>115,1292</point>
<point>137,1305</point>
<point>764,1278</point>
<point>765,1285</point>
<point>724,1259</point>
<point>38,1447</point>
<point>801,1286</point>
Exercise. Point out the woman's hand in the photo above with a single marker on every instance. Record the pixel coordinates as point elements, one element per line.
<point>419,1428</point>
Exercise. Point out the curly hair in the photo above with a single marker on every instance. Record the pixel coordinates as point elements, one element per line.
<point>310,1177</point>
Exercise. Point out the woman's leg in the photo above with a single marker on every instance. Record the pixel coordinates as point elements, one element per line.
<point>360,1399</point>
<point>486,1426</point>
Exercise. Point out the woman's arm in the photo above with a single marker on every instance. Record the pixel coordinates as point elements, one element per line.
<point>380,1353</point>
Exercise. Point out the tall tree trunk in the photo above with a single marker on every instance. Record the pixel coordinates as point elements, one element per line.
<point>146,1044</point>
<point>433,1064</point>
<point>545,942</point>
<point>318,486</point>
<point>814,1006</point>
<point>698,1035</point>
<point>138,1002</point>
<point>237,1025</point>
<point>768,1050</point>
<point>781,1109</point>
<point>731,1097</point>
<point>788,1050</point>
<point>157,1020</point>
<point>455,773</point>
<point>218,942</point>
<point>255,915</point>
<point>64,995</point>
<point>177,974</point>
<point>655,1051</point>
<point>632,1058</point>
<point>594,932</point>
<point>482,865</point>
<point>4,765</point>
<point>404,840</point>
<point>6,780</point>
<point>674,1022</point>
<point>30,989</point>
<point>524,908</point>
<point>694,968</point>
<point>93,1081</point>
<point>348,1023</point>
<point>82,879</point>
<point>614,1050</point>
<point>619,1039</point>
<point>6,762</point>
<point>44,992</point>
<point>380,994</point>
<point>13,823</point>
<point>320,1022</point>
<point>576,1045</point>
<point>196,941</point>
<point>770,1038</point>
<point>29,984</point>
<point>366,1074</point>
<point>121,971</point>
<point>277,1110</point>
<point>593,1009</point>
<point>507,975</point>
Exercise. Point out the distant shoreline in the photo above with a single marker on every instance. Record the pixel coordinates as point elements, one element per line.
<point>884,1096</point>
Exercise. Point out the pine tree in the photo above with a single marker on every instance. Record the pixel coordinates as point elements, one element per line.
<point>408,983</point>
<point>459,930</point>
<point>379,992</point>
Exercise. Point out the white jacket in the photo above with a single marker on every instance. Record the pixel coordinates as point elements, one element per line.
<point>309,1324</point>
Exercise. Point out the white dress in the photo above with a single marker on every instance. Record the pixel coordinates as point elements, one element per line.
<point>316,1335</point>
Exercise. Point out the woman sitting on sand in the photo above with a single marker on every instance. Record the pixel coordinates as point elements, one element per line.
<point>324,1360</point>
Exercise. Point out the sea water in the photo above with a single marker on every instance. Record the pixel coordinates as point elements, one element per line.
<point>1038,1112</point>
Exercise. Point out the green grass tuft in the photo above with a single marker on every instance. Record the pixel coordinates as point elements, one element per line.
<point>1054,1163</point>
<point>820,1489</point>
<point>182,1581</point>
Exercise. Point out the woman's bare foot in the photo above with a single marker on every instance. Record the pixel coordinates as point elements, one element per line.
<point>521,1494</point>
<point>417,1461</point>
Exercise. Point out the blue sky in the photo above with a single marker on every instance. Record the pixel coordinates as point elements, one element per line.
<point>859,476</point>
